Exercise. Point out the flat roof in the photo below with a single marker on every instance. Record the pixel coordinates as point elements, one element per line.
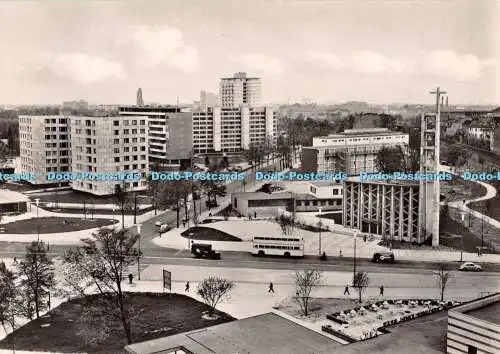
<point>7,197</point>
<point>359,132</point>
<point>262,195</point>
<point>326,183</point>
<point>389,182</point>
<point>490,313</point>
<point>415,336</point>
<point>267,333</point>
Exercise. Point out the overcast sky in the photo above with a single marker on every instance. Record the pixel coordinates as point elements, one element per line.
<point>325,51</point>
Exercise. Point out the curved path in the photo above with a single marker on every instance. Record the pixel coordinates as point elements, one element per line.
<point>491,192</point>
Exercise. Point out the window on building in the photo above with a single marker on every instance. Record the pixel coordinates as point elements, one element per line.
<point>471,349</point>
<point>116,123</point>
<point>143,122</point>
<point>117,132</point>
<point>117,159</point>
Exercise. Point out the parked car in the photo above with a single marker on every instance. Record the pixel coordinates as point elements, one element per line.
<point>470,267</point>
<point>383,257</point>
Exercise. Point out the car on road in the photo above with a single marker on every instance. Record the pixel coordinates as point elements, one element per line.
<point>201,250</point>
<point>470,267</point>
<point>383,257</point>
<point>162,226</point>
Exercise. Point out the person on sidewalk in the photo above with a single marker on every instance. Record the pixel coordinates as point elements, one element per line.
<point>130,278</point>
<point>271,288</point>
<point>381,290</point>
<point>15,260</point>
<point>346,290</point>
<point>184,223</point>
<point>187,287</point>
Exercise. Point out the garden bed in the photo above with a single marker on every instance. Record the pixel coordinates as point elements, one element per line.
<point>208,234</point>
<point>52,225</point>
<point>158,315</point>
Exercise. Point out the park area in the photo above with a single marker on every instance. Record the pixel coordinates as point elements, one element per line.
<point>52,225</point>
<point>152,316</point>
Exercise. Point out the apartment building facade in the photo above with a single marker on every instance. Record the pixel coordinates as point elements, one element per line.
<point>354,151</point>
<point>102,145</point>
<point>232,129</point>
<point>45,145</point>
<point>239,90</point>
<point>170,136</point>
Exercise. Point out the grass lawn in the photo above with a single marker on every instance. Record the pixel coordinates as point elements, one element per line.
<point>458,189</point>
<point>158,316</point>
<point>208,234</point>
<point>52,225</point>
<point>96,211</point>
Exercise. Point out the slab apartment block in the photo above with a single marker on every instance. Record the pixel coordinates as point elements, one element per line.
<point>353,151</point>
<point>109,144</point>
<point>239,90</point>
<point>176,134</point>
<point>44,145</point>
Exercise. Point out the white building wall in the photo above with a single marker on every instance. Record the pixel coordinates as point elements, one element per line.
<point>217,143</point>
<point>270,124</point>
<point>245,128</point>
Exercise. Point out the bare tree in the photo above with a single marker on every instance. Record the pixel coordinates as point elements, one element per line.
<point>100,266</point>
<point>443,277</point>
<point>286,223</point>
<point>36,272</point>
<point>360,283</point>
<point>305,282</point>
<point>122,200</point>
<point>214,290</point>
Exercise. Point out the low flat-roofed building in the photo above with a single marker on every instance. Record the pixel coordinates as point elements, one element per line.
<point>12,202</point>
<point>298,197</point>
<point>263,334</point>
<point>474,328</point>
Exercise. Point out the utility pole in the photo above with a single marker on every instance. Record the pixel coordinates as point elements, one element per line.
<point>354,263</point>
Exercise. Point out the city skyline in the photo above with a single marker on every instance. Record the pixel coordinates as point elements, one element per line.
<point>323,51</point>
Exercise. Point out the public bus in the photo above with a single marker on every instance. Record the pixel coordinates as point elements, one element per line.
<point>278,246</point>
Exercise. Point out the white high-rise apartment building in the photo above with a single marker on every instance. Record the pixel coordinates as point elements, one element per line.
<point>239,90</point>
<point>217,129</point>
<point>44,145</point>
<point>109,145</point>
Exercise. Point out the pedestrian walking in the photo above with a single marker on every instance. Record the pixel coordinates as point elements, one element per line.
<point>381,290</point>
<point>255,215</point>
<point>271,288</point>
<point>15,260</point>
<point>364,238</point>
<point>346,290</point>
<point>130,278</point>
<point>187,287</point>
<point>184,223</point>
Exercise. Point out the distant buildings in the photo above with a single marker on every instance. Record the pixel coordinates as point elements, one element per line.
<point>353,151</point>
<point>109,145</point>
<point>239,90</point>
<point>208,99</point>
<point>44,145</point>
<point>79,106</point>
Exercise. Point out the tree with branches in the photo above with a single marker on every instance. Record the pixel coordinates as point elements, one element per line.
<point>305,282</point>
<point>360,283</point>
<point>390,160</point>
<point>122,200</point>
<point>215,290</point>
<point>36,272</point>
<point>99,266</point>
<point>7,298</point>
<point>213,189</point>
<point>287,223</point>
<point>443,275</point>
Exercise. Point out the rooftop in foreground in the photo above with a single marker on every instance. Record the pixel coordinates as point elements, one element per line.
<point>267,333</point>
<point>490,313</point>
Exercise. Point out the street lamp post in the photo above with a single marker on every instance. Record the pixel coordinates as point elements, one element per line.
<point>354,263</point>
<point>139,255</point>
<point>462,216</point>
<point>37,202</point>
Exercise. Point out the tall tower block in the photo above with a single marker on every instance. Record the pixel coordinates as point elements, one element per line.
<point>429,164</point>
<point>140,101</point>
